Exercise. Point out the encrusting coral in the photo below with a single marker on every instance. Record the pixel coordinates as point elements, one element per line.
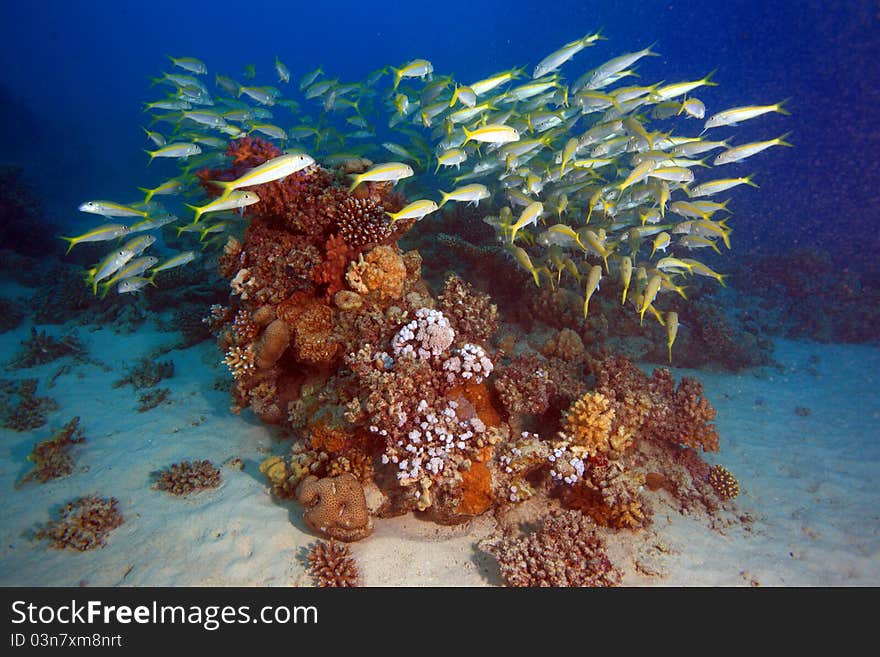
<point>332,565</point>
<point>188,477</point>
<point>83,524</point>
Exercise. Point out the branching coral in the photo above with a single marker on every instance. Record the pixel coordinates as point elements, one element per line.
<point>51,457</point>
<point>188,477</point>
<point>566,551</point>
<point>146,373</point>
<point>335,507</point>
<point>332,565</point>
<point>83,524</point>
<point>30,412</point>
<point>588,425</point>
<point>41,348</point>
<point>654,408</point>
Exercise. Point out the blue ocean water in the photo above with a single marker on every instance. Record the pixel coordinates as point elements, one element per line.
<point>76,75</point>
<point>803,264</point>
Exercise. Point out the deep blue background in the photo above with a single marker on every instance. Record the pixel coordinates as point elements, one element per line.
<point>76,74</point>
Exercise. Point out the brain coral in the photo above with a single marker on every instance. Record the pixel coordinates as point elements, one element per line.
<point>335,507</point>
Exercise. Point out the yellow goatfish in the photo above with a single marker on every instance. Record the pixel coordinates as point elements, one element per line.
<point>277,168</point>
<point>593,279</point>
<point>528,217</point>
<point>626,270</point>
<point>492,133</point>
<point>650,294</point>
<point>237,200</point>
<point>671,330</point>
<point>417,68</point>
<point>736,115</point>
<point>387,172</point>
<point>415,210</point>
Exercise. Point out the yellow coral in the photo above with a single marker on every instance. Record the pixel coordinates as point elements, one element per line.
<point>588,425</point>
<point>382,271</point>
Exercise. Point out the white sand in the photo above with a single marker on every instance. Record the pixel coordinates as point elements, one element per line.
<point>809,483</point>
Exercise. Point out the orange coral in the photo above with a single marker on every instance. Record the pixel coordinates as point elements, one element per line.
<point>325,438</point>
<point>723,481</point>
<point>476,490</point>
<point>480,399</point>
<point>382,271</point>
<point>331,270</point>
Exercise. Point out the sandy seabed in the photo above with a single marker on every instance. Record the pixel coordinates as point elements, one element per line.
<point>809,485</point>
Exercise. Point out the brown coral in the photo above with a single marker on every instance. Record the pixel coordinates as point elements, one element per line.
<point>566,345</point>
<point>188,477</point>
<point>272,344</point>
<point>83,524</point>
<point>332,565</point>
<point>362,221</point>
<point>335,507</point>
<point>723,481</point>
<point>472,314</point>
<point>51,457</point>
<point>524,385</point>
<point>311,322</point>
<point>382,272</point>
<point>566,551</point>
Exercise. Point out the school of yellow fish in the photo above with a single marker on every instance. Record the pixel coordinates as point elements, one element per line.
<point>589,179</point>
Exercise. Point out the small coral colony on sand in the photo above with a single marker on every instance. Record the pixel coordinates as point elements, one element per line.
<point>405,400</point>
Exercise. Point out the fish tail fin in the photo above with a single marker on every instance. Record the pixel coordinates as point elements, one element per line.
<point>721,278</point>
<point>715,248</point>
<point>222,184</point>
<point>195,209</point>
<point>748,181</point>
<point>623,298</point>
<point>707,81</point>
<point>71,240</point>
<point>147,192</point>
<point>357,181</point>
<point>105,288</point>
<point>467,135</point>
<point>398,76</point>
<point>781,140</point>
<point>150,153</point>
<point>670,351</point>
<point>393,217</point>
<point>444,196</point>
<point>781,109</point>
<point>438,166</point>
